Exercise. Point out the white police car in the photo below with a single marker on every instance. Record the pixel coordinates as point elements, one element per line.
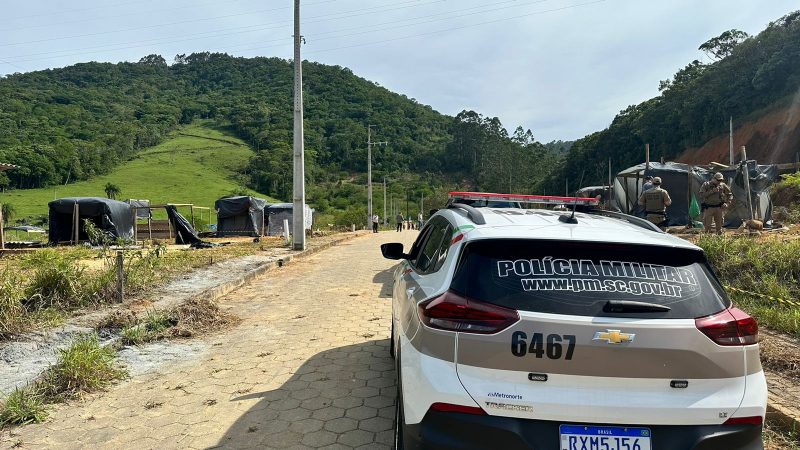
<point>536,329</point>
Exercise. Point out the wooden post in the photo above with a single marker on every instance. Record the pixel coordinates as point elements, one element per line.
<point>76,223</point>
<point>120,277</point>
<point>149,227</point>
<point>746,174</point>
<point>191,208</point>
<point>2,233</point>
<point>169,225</point>
<point>263,222</point>
<point>646,157</point>
<point>135,226</point>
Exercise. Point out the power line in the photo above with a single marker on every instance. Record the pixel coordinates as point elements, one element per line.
<point>254,28</point>
<point>93,19</point>
<point>146,27</point>
<point>458,28</point>
<point>55,13</point>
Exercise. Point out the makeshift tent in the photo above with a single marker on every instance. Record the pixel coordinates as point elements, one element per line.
<point>279,212</point>
<point>184,232</point>
<point>241,216</point>
<point>683,181</point>
<point>111,216</point>
<point>143,210</point>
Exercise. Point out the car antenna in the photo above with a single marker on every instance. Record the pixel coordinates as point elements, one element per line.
<point>571,219</point>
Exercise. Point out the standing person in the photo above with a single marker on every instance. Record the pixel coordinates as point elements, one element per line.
<point>655,201</point>
<point>648,184</point>
<point>419,220</point>
<point>715,197</point>
<point>375,220</point>
<point>399,219</point>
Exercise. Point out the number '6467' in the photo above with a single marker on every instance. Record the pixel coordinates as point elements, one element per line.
<point>554,346</point>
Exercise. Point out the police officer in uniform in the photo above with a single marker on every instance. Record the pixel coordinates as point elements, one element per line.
<point>655,202</point>
<point>715,197</point>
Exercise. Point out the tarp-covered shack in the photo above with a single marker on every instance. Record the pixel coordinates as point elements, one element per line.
<point>281,211</point>
<point>111,216</point>
<point>241,216</point>
<point>683,182</point>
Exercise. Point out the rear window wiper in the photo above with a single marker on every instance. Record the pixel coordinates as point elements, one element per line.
<point>627,306</point>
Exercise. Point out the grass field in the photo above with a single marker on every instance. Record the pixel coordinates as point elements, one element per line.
<point>196,165</point>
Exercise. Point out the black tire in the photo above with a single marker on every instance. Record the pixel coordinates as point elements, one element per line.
<point>391,341</point>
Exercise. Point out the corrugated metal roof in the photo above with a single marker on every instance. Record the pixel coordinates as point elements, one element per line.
<point>4,166</point>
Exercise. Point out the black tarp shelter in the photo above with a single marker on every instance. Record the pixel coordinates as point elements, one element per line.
<point>683,182</point>
<point>142,208</point>
<point>111,216</point>
<point>241,216</point>
<point>284,211</point>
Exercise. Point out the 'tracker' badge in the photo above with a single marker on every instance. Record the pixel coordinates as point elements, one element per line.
<point>613,337</point>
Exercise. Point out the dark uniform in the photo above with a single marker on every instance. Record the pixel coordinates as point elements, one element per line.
<point>655,202</point>
<point>715,196</point>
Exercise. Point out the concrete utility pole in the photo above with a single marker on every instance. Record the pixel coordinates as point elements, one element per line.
<point>369,173</point>
<point>385,219</point>
<point>299,192</point>
<point>730,145</point>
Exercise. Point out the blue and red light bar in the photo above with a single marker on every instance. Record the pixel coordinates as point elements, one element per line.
<point>522,198</point>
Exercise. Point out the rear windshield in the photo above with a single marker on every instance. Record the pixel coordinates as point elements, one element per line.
<point>579,278</point>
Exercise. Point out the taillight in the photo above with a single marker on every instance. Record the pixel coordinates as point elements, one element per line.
<point>449,407</point>
<point>729,327</point>
<point>453,312</point>
<point>752,420</point>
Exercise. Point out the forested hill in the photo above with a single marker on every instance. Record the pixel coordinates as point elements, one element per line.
<point>77,122</point>
<point>750,77</point>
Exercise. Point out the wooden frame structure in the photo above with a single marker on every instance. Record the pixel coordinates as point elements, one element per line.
<point>191,207</point>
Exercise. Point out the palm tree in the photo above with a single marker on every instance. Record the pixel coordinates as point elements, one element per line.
<point>112,190</point>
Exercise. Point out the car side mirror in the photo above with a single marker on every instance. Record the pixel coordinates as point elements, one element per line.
<point>393,250</point>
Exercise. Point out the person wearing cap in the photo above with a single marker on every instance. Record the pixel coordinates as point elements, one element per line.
<point>655,201</point>
<point>648,184</point>
<point>715,197</point>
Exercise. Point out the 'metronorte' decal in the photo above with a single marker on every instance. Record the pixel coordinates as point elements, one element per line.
<point>552,274</point>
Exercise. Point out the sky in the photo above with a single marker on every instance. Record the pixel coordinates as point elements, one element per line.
<point>561,68</point>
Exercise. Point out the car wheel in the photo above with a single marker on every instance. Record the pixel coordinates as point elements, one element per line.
<point>391,341</point>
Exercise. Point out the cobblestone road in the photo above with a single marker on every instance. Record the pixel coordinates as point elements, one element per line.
<point>308,367</point>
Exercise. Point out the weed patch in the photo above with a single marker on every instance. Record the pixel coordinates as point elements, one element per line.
<point>765,266</point>
<point>86,366</point>
<point>23,406</point>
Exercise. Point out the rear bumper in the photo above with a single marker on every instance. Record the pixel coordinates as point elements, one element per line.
<point>451,431</point>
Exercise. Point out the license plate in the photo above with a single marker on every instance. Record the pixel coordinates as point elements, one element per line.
<point>585,437</point>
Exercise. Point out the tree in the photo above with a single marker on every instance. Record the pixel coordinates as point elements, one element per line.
<point>153,60</point>
<point>722,46</point>
<point>9,212</point>
<point>112,191</point>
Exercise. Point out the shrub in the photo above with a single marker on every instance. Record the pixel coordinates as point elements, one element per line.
<point>85,366</point>
<point>23,406</point>
<point>57,280</point>
<point>12,312</point>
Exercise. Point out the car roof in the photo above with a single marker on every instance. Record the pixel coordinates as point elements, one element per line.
<point>515,223</point>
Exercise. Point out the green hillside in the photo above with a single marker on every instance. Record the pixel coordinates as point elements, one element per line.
<point>749,75</point>
<point>82,123</point>
<point>195,164</point>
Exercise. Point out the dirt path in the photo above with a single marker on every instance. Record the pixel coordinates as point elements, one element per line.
<point>308,367</point>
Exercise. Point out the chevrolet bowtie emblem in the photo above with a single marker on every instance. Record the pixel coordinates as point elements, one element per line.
<point>613,336</point>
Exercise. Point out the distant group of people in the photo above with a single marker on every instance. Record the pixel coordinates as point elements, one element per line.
<point>408,223</point>
<point>715,198</point>
<point>401,222</point>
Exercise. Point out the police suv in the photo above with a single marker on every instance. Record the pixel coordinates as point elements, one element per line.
<point>538,329</point>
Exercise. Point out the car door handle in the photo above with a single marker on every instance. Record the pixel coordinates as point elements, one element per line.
<point>410,291</point>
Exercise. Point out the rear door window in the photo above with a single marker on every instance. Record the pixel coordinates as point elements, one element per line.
<point>579,278</point>
<point>434,249</point>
